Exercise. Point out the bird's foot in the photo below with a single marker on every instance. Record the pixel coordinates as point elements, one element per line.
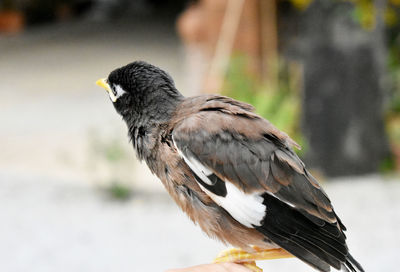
<point>247,259</point>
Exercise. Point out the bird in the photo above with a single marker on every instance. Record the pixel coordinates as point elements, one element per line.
<point>231,171</point>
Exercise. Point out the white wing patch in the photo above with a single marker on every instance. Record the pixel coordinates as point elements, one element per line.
<point>247,209</point>
<point>200,170</point>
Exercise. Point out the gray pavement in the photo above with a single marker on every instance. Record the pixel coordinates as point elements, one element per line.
<point>53,214</point>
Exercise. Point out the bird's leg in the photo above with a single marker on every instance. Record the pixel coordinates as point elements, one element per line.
<point>236,255</point>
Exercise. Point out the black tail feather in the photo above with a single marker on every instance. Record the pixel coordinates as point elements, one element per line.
<point>298,250</point>
<point>352,265</point>
<point>319,245</point>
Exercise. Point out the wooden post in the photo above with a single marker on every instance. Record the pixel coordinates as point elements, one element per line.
<point>223,49</point>
<point>269,40</point>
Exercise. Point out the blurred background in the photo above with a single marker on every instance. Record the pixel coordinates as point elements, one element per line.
<point>73,197</point>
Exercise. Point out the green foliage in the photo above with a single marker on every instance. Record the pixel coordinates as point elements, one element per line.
<point>394,71</point>
<point>388,165</point>
<point>365,12</point>
<point>301,4</point>
<point>393,127</point>
<point>393,110</point>
<point>116,190</point>
<point>279,103</point>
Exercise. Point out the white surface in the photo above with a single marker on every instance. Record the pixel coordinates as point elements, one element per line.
<point>48,225</point>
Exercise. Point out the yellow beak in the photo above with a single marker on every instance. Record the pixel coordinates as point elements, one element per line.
<point>102,82</point>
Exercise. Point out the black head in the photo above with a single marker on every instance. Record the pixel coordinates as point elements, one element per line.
<point>141,91</point>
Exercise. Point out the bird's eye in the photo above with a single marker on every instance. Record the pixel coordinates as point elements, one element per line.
<point>116,92</point>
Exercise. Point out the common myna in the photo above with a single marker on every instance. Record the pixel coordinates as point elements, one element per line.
<point>230,170</point>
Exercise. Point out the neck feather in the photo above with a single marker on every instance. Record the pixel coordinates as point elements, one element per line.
<point>145,127</point>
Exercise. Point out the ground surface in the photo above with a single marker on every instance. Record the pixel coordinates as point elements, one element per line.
<point>54,217</point>
<point>59,225</point>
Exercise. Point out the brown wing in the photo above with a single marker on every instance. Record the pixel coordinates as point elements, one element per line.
<point>247,150</point>
<point>227,146</point>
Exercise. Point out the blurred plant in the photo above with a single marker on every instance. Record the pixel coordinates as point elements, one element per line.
<point>279,101</point>
<point>112,165</point>
<point>119,191</point>
<point>365,11</point>
<point>301,4</point>
<point>393,110</point>
<point>388,165</point>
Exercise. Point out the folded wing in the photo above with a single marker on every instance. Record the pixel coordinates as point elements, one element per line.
<point>248,167</point>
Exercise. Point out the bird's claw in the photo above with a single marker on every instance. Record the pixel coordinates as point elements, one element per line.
<point>247,259</point>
